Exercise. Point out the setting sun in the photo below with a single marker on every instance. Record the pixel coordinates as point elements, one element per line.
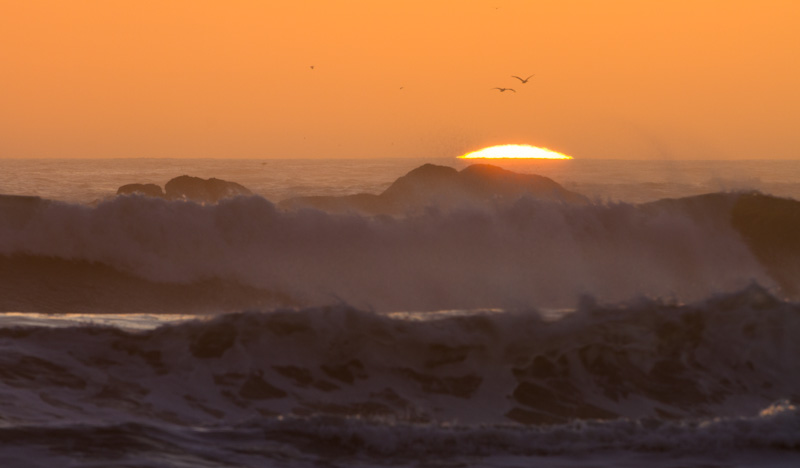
<point>515,152</point>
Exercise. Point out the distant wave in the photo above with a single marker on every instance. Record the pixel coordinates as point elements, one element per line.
<point>529,252</point>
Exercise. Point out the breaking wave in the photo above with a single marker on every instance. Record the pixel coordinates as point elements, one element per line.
<point>717,376</point>
<point>525,253</point>
<point>731,355</point>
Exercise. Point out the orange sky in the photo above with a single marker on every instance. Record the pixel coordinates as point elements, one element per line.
<point>678,79</point>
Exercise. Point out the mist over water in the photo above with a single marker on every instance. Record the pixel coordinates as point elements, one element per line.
<point>496,332</point>
<point>528,253</point>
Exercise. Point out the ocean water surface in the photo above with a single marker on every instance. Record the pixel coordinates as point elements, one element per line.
<point>652,322</point>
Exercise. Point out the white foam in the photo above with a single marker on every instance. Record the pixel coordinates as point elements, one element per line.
<point>122,321</point>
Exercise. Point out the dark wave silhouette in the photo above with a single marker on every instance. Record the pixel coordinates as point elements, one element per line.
<point>771,228</point>
<point>56,285</point>
<point>768,225</point>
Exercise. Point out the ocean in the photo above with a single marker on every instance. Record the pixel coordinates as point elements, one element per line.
<point>400,312</point>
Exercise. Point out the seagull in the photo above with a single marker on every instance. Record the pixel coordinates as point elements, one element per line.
<point>520,79</point>
<point>502,90</point>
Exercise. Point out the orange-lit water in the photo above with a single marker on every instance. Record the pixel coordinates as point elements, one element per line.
<point>616,180</point>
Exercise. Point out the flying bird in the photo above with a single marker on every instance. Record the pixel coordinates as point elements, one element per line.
<point>520,79</point>
<point>502,90</point>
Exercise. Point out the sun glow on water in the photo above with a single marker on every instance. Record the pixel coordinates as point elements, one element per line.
<point>515,152</point>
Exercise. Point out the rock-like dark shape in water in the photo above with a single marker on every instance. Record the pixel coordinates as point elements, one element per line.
<point>203,190</point>
<point>485,180</point>
<point>442,186</point>
<point>151,190</point>
<point>189,188</point>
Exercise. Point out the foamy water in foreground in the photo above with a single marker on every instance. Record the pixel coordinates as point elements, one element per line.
<point>155,333</point>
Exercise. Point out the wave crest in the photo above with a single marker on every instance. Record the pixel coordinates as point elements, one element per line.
<point>528,252</point>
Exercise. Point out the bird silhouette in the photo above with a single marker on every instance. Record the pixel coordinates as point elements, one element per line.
<point>520,79</point>
<point>502,90</point>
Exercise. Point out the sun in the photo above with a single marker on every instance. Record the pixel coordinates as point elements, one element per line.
<point>515,152</point>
